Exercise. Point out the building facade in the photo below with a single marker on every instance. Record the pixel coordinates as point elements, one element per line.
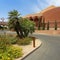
<point>50,14</point>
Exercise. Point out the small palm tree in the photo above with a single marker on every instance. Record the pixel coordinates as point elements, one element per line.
<point>13,14</point>
<point>21,25</point>
<point>14,22</point>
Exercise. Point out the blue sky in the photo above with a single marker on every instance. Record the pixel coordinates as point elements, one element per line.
<point>25,6</point>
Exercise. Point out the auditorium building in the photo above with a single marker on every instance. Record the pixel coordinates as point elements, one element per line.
<point>50,14</point>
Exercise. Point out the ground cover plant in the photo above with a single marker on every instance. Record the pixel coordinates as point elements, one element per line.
<point>16,40</point>
<point>24,41</point>
<point>7,51</point>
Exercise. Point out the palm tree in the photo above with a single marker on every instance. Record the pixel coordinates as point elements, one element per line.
<point>14,18</point>
<point>13,13</point>
<point>21,25</point>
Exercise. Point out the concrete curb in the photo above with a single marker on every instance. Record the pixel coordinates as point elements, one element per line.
<point>31,52</point>
<point>30,49</point>
<point>47,34</point>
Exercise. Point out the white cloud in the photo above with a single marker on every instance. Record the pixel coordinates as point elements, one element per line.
<point>53,2</point>
<point>45,3</point>
<point>35,8</point>
<point>42,4</point>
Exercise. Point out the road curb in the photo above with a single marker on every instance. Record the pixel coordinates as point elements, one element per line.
<point>31,52</point>
<point>46,34</point>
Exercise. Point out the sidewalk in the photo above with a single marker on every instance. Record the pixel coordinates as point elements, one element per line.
<point>28,49</point>
<point>48,32</point>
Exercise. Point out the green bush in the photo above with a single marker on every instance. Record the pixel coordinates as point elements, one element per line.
<point>11,53</point>
<point>24,41</point>
<point>4,56</point>
<point>7,51</point>
<point>12,40</point>
<point>27,26</point>
<point>15,51</point>
<point>4,42</point>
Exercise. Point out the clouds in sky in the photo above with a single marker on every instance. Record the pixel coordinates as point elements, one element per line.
<point>53,2</point>
<point>46,3</point>
<point>25,6</point>
<point>39,5</point>
<point>33,6</point>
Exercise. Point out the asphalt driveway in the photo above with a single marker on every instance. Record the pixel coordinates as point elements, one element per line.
<point>50,49</point>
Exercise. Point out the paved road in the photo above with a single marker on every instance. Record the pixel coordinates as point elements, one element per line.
<point>2,32</point>
<point>50,49</point>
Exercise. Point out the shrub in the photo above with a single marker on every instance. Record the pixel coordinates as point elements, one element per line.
<point>12,40</point>
<point>15,51</point>
<point>11,53</point>
<point>27,26</point>
<point>4,42</point>
<point>7,51</point>
<point>24,41</point>
<point>4,56</point>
